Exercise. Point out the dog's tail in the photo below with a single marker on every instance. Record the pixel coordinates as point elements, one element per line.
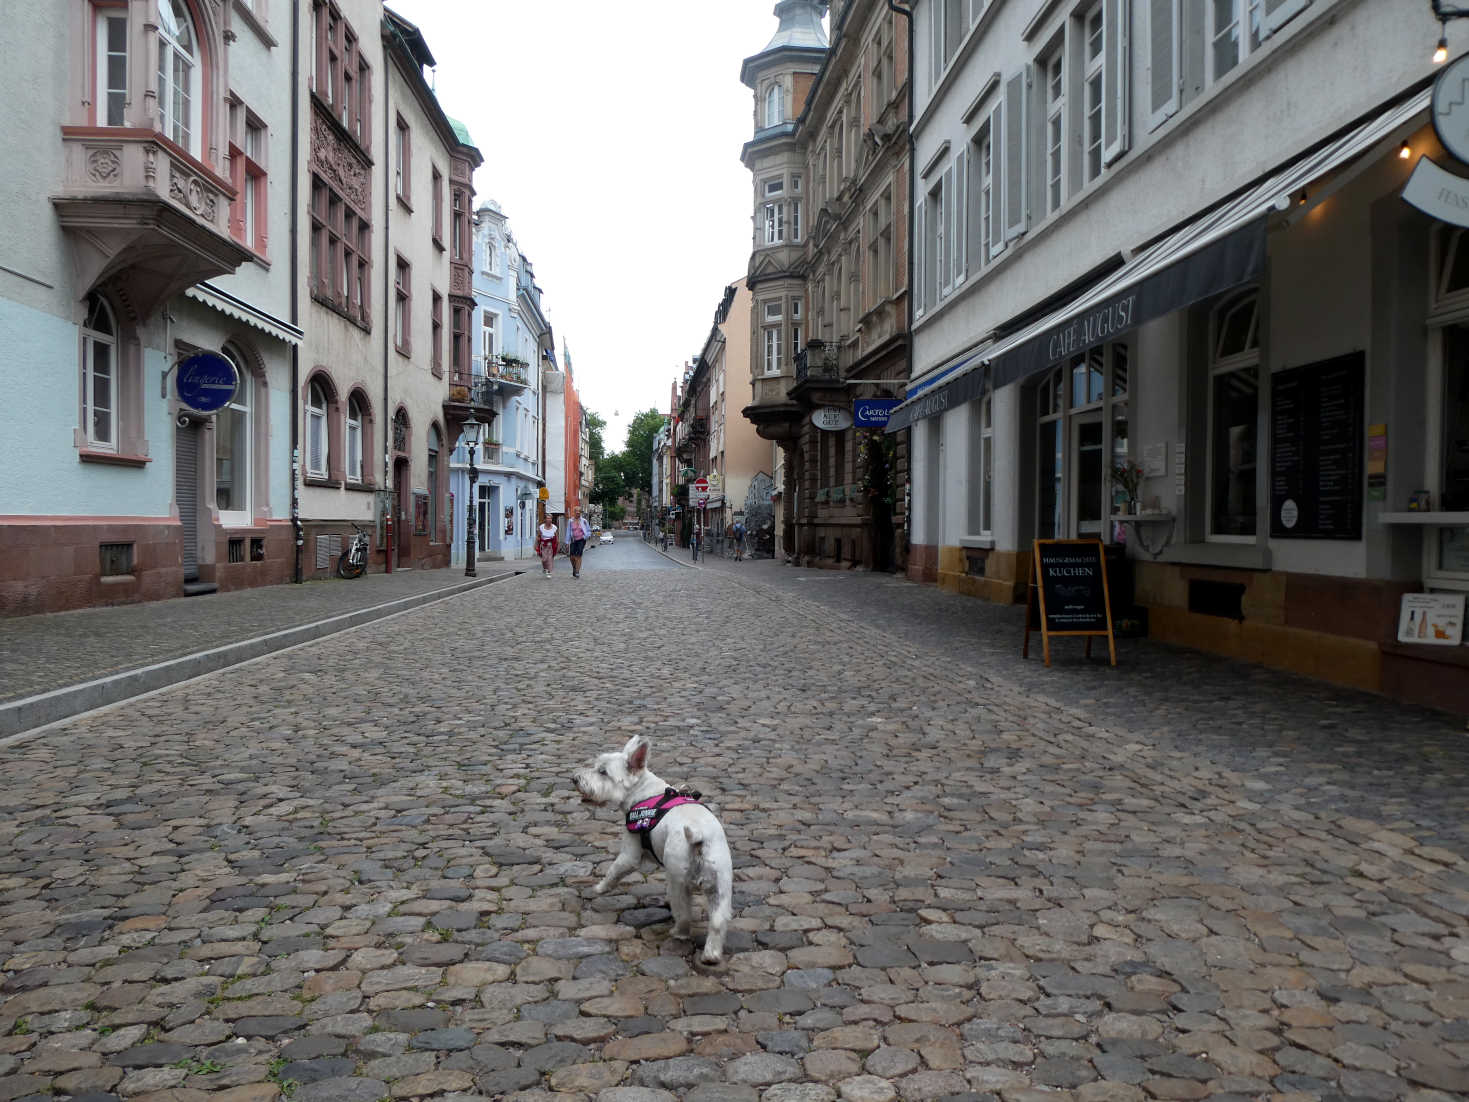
<point>697,864</point>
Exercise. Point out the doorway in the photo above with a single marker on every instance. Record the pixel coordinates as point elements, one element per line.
<point>403,521</point>
<point>1089,482</point>
<point>186,492</point>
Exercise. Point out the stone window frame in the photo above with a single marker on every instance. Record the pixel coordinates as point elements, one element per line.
<point>129,447</point>
<point>366,424</point>
<point>335,422</point>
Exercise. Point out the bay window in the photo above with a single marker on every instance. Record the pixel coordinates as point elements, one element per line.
<point>178,75</point>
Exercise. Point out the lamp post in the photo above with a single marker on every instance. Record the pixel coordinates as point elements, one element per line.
<point>472,433</point>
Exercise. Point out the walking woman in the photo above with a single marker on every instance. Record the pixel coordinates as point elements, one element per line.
<point>546,544</point>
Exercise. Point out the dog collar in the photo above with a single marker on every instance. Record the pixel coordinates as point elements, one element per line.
<point>643,817</point>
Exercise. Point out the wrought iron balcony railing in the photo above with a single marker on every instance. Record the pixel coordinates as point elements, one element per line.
<point>818,361</point>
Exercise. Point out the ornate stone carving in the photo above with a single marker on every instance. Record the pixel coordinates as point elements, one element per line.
<point>459,282</point>
<point>150,165</point>
<point>187,190</point>
<point>338,162</point>
<point>103,165</point>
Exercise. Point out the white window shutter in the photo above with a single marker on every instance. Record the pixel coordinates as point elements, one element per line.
<point>973,214</point>
<point>1017,213</point>
<point>1278,12</point>
<point>1164,34</point>
<point>997,180</point>
<point>1116,67</point>
<point>919,259</point>
<point>960,253</point>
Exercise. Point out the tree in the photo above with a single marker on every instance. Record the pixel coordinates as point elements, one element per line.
<point>637,454</point>
<point>608,485</point>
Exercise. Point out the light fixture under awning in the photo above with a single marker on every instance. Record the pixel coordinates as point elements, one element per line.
<point>241,310</point>
<point>1218,250</point>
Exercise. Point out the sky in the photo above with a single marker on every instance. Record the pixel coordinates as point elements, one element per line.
<point>611,135</point>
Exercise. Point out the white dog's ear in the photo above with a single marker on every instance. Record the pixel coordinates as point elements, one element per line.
<point>635,753</point>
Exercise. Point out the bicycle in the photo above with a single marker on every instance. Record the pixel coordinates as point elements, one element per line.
<point>352,562</point>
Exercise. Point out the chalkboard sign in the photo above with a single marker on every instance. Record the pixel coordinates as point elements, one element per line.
<point>1316,433</point>
<point>1069,581</point>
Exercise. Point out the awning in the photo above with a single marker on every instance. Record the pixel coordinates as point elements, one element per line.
<point>241,310</point>
<point>1214,252</point>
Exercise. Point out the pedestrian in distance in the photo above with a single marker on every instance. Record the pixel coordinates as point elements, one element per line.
<point>546,544</point>
<point>577,533</point>
<point>694,542</point>
<point>739,541</point>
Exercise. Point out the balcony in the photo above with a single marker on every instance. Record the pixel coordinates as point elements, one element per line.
<point>143,212</point>
<point>507,370</point>
<point>471,388</point>
<point>818,362</point>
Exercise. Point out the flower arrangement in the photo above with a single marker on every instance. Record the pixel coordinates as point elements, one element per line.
<point>1129,476</point>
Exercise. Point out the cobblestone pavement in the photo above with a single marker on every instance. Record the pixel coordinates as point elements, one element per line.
<point>41,653</point>
<point>346,873</point>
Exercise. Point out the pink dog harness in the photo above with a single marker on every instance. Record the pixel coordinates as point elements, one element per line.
<point>644,817</point>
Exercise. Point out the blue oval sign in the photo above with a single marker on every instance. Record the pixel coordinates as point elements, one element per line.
<point>206,381</point>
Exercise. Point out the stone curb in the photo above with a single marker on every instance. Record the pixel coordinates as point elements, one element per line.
<point>670,558</point>
<point>30,712</point>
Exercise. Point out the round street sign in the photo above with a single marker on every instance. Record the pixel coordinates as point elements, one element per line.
<point>831,418</point>
<point>206,382</point>
<point>701,485</point>
<point>1450,113</point>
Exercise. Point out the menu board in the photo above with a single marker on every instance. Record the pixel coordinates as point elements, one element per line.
<point>1070,579</point>
<point>1316,431</point>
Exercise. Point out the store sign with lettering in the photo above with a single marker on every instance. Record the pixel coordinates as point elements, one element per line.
<point>1438,192</point>
<point>831,418</point>
<point>206,381</point>
<point>1068,594</point>
<point>873,413</point>
<point>1091,328</point>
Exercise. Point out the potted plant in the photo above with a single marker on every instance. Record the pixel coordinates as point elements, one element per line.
<point>1129,477</point>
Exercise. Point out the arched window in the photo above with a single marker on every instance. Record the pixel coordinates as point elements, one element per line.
<point>233,433</point>
<point>316,431</point>
<point>434,441</point>
<point>400,431</point>
<point>1234,416</point>
<point>178,75</point>
<point>99,375</point>
<point>775,105</point>
<point>354,439</point>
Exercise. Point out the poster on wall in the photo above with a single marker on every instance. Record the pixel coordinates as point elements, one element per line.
<point>1432,618</point>
<point>1316,437</point>
<point>420,514</point>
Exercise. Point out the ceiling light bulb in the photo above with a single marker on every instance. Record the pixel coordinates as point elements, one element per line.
<point>1441,51</point>
<point>1301,198</point>
<point>1405,152</point>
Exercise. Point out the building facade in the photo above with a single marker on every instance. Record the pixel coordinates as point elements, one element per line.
<point>1270,334</point>
<point>828,272</point>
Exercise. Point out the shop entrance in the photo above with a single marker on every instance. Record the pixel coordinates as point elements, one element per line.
<point>1088,486</point>
<point>403,521</point>
<point>1081,431</point>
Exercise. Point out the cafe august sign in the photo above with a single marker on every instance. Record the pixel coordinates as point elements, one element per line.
<point>831,418</point>
<point>1069,581</point>
<point>206,381</point>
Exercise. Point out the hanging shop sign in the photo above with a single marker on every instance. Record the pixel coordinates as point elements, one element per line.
<point>1438,192</point>
<point>206,381</point>
<point>873,413</point>
<point>1068,595</point>
<point>831,418</point>
<point>1450,111</point>
<point>1316,442</point>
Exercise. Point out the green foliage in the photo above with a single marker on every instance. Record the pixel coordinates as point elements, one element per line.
<point>637,453</point>
<point>596,445</point>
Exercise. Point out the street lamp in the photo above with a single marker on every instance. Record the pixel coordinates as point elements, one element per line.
<point>473,432</point>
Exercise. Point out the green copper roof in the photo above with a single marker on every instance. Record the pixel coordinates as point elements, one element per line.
<point>460,130</point>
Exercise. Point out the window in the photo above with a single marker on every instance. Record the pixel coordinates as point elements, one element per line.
<point>796,220</point>
<point>341,78</point>
<point>461,227</point>
<point>248,223</point>
<point>1234,414</point>
<point>459,338</point>
<point>1081,429</point>
<point>985,238</point>
<point>354,439</point>
<point>437,201</point>
<point>402,306</point>
<point>233,430</point>
<point>316,431</point>
<point>1055,129</point>
<point>950,23</point>
<point>110,97</point>
<point>880,247</point>
<point>341,243</point>
<point>488,321</point>
<point>775,223</point>
<point>490,252</point>
<point>436,332</point>
<point>402,161</point>
<point>935,260</point>
<point>879,68</point>
<point>772,349</point>
<point>982,462</point>
<point>99,375</point>
<point>1227,45</point>
<point>178,75</point>
<point>1093,89</point>
<point>775,105</point>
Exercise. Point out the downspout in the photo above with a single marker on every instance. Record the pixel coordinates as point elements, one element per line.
<point>387,328</point>
<point>299,538</point>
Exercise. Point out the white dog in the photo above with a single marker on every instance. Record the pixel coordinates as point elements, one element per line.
<point>680,833</point>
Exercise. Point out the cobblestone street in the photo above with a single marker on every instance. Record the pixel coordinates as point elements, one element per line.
<point>357,870</point>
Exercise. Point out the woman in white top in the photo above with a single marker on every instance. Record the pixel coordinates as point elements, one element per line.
<point>546,544</point>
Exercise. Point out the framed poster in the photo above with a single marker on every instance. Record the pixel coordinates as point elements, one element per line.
<point>1069,580</point>
<point>1436,619</point>
<point>1316,442</point>
<point>420,513</point>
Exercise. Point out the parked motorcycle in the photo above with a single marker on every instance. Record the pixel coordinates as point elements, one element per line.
<point>352,563</point>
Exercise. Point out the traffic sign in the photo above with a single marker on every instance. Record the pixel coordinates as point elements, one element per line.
<point>701,485</point>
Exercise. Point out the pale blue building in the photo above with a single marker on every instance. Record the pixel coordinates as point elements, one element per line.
<point>510,334</point>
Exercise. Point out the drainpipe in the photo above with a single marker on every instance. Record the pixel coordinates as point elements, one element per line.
<point>907,13</point>
<point>296,571</point>
<point>391,536</point>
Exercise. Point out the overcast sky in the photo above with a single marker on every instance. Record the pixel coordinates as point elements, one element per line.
<point>611,135</point>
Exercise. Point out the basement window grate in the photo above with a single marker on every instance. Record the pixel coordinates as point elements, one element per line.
<point>116,559</point>
<point>237,550</point>
<point>1223,599</point>
<point>257,549</point>
<point>328,547</point>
